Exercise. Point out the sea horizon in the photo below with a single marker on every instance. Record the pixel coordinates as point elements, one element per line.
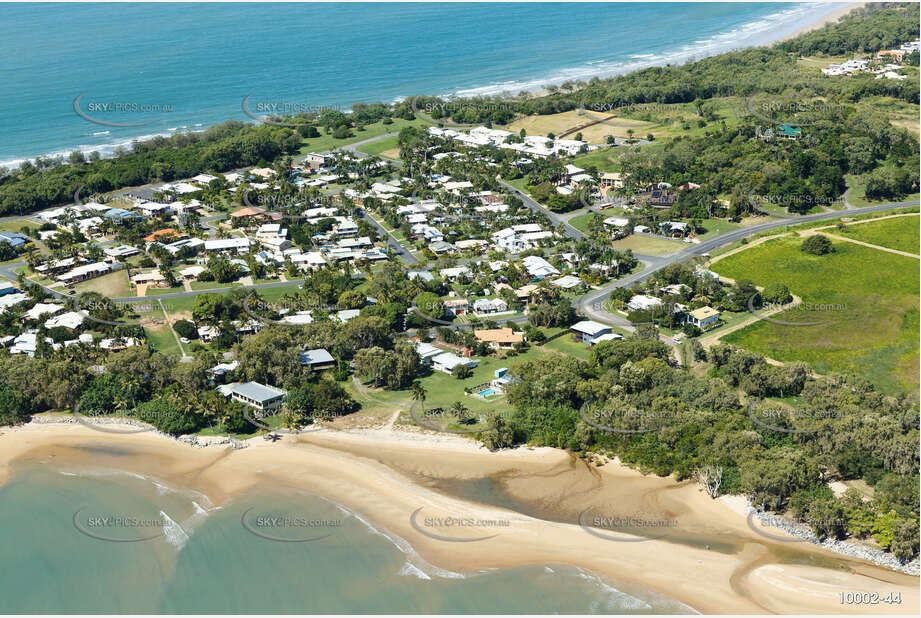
<point>200,89</point>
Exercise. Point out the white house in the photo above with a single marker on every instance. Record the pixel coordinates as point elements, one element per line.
<point>641,302</point>
<point>538,267</point>
<point>447,361</point>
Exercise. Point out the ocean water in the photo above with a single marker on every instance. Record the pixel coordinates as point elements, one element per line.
<point>62,551</point>
<point>174,67</point>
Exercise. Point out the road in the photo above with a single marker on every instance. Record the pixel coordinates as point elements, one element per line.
<point>591,305</point>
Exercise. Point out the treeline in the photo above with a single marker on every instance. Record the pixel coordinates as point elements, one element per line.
<point>879,25</point>
<point>218,149</point>
<point>739,74</point>
<point>628,401</point>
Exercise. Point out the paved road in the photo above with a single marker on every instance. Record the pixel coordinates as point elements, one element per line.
<point>555,219</point>
<point>591,305</point>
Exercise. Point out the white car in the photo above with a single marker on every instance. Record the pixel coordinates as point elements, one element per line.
<point>678,338</point>
<point>184,340</point>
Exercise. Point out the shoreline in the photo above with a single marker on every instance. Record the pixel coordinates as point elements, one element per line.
<point>384,477</point>
<point>196,126</point>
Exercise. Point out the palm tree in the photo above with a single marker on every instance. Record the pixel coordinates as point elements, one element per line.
<point>418,393</point>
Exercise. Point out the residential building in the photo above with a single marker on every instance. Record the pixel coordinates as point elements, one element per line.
<point>266,399</point>
<point>318,359</point>
<point>447,361</point>
<point>703,318</point>
<point>588,331</point>
<point>641,302</point>
<point>499,338</point>
<point>486,305</point>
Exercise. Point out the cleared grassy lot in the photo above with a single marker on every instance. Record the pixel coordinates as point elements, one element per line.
<point>899,233</point>
<point>328,142</point>
<point>647,245</point>
<point>113,285</point>
<point>868,309</point>
<point>387,147</point>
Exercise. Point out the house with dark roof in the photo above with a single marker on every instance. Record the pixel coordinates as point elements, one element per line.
<point>318,359</point>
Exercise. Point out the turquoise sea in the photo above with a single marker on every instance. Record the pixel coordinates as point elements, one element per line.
<point>195,63</point>
<point>74,542</point>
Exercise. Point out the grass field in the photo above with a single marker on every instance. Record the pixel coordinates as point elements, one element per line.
<point>581,222</point>
<point>870,322</point>
<point>328,142</point>
<point>113,285</point>
<point>383,148</point>
<point>647,245</point>
<point>899,233</point>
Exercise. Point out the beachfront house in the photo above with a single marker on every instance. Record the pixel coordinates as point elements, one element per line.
<point>265,399</point>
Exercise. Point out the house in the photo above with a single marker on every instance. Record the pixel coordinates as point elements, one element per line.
<point>427,352</point>
<point>641,302</point>
<point>165,235</point>
<point>153,209</point>
<point>41,309</point>
<point>266,399</point>
<point>84,272</point>
<point>485,305</point>
<point>121,251</point>
<point>499,338</point>
<point>588,331</point>
<point>612,180</point>
<point>538,267</point>
<point>316,160</point>
<point>453,274</point>
<point>241,245</point>
<point>673,228</point>
<point>250,212</point>
<point>208,333</point>
<point>192,272</point>
<point>567,282</point>
<point>311,259</point>
<point>446,361</point>
<point>221,370</point>
<point>347,314</point>
<point>703,318</point>
<point>318,359</point>
<point>69,320</point>
<point>153,278</point>
<point>16,241</point>
<point>440,247</point>
<point>423,275</point>
<point>190,245</point>
<point>457,306</point>
<point>7,288</point>
<point>270,231</point>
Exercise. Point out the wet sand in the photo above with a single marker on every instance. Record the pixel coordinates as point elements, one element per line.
<point>706,557</point>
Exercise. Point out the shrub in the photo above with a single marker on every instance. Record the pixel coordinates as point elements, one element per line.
<point>817,245</point>
<point>185,329</point>
<point>776,293</point>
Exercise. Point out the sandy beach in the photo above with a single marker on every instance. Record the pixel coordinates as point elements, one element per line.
<point>830,18</point>
<point>707,559</point>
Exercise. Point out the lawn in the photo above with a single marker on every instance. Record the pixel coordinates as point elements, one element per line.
<point>383,148</point>
<point>113,285</point>
<point>867,308</point>
<point>328,142</point>
<point>899,233</point>
<point>647,245</point>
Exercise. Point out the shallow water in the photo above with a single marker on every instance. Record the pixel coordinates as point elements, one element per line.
<point>270,551</point>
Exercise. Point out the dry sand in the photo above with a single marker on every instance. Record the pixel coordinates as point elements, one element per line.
<point>710,560</point>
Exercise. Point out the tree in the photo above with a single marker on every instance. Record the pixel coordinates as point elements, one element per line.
<point>330,399</point>
<point>498,433</point>
<point>776,293</point>
<point>817,245</point>
<point>417,392</point>
<point>185,329</point>
<point>13,408</point>
<point>710,477</point>
<point>461,371</point>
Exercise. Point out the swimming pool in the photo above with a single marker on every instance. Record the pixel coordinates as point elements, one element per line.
<point>487,392</point>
